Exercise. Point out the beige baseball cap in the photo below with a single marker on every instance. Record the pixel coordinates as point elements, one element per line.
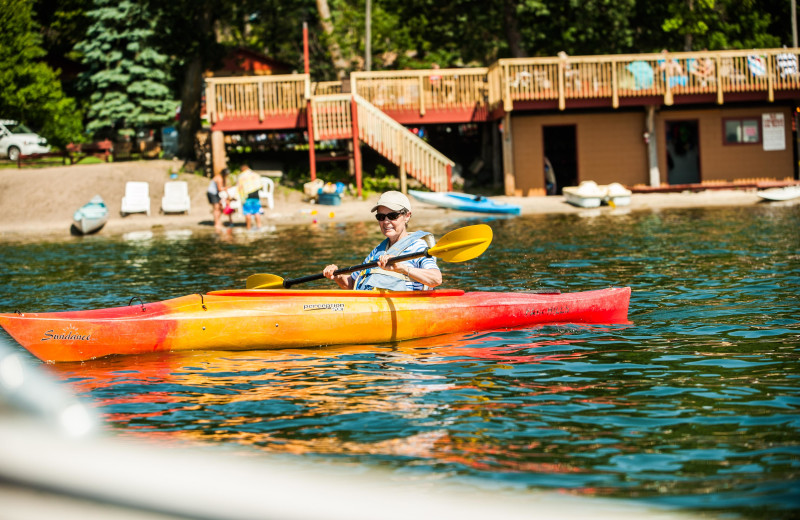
<point>393,200</point>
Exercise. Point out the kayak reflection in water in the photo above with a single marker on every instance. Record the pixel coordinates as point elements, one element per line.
<point>393,212</point>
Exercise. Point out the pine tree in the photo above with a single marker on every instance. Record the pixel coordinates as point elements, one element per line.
<point>127,77</point>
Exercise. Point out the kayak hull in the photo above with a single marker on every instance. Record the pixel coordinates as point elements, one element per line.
<point>465,202</point>
<point>268,319</point>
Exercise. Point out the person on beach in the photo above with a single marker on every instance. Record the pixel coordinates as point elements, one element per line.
<point>393,212</point>
<point>215,189</point>
<point>550,178</point>
<point>249,184</point>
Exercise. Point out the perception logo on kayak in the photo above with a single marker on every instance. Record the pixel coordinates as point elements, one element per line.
<point>70,333</point>
<point>320,306</point>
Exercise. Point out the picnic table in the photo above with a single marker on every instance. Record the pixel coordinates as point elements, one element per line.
<point>80,151</point>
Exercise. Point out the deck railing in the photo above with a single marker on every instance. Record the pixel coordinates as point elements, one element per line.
<point>323,88</point>
<point>332,116</point>
<point>255,96</point>
<point>422,90</point>
<point>554,79</point>
<point>643,75</point>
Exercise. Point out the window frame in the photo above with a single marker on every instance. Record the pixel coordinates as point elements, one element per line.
<point>741,120</point>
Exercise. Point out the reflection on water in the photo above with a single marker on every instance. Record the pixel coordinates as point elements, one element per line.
<point>694,404</point>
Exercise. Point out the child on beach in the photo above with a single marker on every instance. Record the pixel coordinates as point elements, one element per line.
<point>249,184</point>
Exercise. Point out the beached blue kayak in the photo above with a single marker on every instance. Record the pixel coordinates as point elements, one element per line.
<point>464,202</point>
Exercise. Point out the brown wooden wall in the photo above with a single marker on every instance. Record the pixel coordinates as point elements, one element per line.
<point>720,162</point>
<point>610,148</point>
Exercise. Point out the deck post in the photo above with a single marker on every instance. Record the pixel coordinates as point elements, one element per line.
<point>356,145</point>
<point>508,103</point>
<point>497,155</point>
<point>652,146</point>
<point>508,157</point>
<point>401,170</point>
<point>218,158</point>
<point>561,101</point>
<point>312,158</point>
<point>770,86</point>
<point>449,178</point>
<point>420,87</point>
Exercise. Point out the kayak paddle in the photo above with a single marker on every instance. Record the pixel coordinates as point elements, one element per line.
<point>458,245</point>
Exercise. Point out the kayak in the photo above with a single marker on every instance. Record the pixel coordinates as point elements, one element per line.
<point>255,319</point>
<point>464,202</point>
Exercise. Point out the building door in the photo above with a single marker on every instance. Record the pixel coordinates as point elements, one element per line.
<point>561,149</point>
<point>683,152</point>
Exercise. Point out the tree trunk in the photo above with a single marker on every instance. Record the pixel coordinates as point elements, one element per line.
<point>339,62</point>
<point>687,38</point>
<point>513,35</point>
<point>191,95</point>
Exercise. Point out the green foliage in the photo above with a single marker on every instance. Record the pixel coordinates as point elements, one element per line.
<point>143,54</point>
<point>127,78</point>
<point>30,90</point>
<point>378,184</point>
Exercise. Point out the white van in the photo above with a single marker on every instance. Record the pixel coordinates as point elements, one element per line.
<point>16,139</point>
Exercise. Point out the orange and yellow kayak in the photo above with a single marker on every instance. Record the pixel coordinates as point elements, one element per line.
<point>250,319</point>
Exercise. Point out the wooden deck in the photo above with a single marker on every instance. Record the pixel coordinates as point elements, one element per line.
<point>378,104</point>
<point>486,93</point>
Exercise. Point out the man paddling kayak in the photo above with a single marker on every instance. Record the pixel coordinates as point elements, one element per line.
<point>393,212</point>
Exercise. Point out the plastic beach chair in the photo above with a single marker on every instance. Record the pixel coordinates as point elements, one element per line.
<point>136,199</point>
<point>267,191</point>
<point>176,197</point>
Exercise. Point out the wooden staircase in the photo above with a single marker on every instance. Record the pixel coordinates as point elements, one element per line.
<point>341,116</point>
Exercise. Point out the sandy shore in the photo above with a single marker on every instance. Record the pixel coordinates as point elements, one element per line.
<point>37,202</point>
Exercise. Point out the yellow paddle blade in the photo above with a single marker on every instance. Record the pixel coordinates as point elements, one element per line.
<point>463,244</point>
<point>264,281</point>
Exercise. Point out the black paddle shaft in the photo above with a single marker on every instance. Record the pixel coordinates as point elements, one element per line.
<point>345,270</point>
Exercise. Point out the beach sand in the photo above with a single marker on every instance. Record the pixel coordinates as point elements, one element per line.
<point>39,202</point>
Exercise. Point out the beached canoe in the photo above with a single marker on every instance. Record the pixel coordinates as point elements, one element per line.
<point>247,319</point>
<point>90,217</point>
<point>464,202</point>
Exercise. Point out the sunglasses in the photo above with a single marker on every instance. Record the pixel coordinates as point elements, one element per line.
<point>394,215</point>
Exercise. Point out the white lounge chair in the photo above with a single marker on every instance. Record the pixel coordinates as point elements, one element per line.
<point>176,197</point>
<point>136,199</point>
<point>267,191</point>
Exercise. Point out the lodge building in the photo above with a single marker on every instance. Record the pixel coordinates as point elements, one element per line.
<point>647,121</point>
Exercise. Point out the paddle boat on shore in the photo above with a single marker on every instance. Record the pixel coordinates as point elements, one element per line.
<point>268,314</point>
<point>617,195</point>
<point>90,217</point>
<point>464,202</point>
<point>588,194</point>
<point>780,194</point>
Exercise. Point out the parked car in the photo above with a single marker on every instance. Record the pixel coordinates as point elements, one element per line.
<point>16,139</point>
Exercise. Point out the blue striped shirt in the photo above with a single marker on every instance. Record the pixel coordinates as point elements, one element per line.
<point>423,262</point>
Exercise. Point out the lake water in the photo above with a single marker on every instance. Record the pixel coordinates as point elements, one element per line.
<point>695,404</point>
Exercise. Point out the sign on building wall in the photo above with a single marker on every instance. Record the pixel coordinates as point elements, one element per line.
<point>774,132</point>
